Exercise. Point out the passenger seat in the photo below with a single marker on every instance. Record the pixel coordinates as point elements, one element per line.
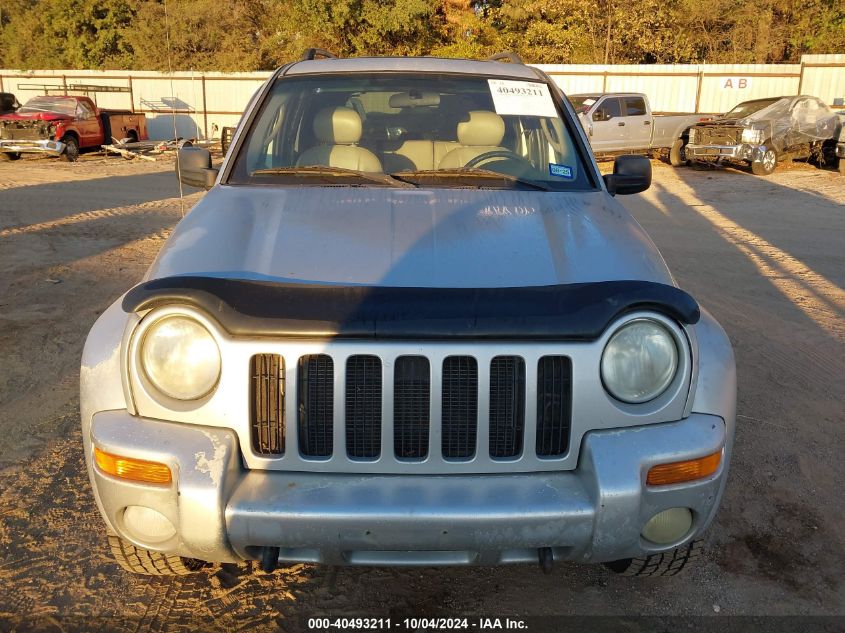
<point>339,130</point>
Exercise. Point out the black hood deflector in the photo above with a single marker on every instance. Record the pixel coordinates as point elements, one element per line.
<point>566,312</point>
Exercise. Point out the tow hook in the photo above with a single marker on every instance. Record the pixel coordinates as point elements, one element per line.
<point>547,559</point>
<point>269,559</point>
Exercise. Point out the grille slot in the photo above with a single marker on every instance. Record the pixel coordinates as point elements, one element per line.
<point>554,405</point>
<point>507,406</point>
<point>315,400</point>
<point>267,404</point>
<point>459,407</point>
<point>411,401</point>
<point>363,407</point>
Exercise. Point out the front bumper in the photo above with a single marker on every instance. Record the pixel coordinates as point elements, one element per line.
<point>223,512</point>
<point>44,146</point>
<point>742,152</point>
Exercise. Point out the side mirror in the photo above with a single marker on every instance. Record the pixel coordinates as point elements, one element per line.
<point>600,115</point>
<point>193,167</point>
<point>631,174</point>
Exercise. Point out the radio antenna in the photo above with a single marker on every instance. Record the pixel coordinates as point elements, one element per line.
<point>173,111</point>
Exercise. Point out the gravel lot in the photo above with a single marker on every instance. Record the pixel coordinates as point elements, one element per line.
<point>766,256</point>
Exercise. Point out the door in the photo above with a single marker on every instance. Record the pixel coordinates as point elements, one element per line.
<point>88,125</point>
<point>638,123</point>
<point>608,126</point>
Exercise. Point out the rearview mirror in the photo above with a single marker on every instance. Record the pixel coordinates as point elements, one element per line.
<point>193,167</point>
<point>631,174</point>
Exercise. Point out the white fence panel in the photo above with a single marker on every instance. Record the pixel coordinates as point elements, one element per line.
<point>198,104</point>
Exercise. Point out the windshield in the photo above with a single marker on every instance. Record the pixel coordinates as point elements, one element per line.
<point>411,131</point>
<point>749,107</point>
<point>59,105</point>
<point>582,103</point>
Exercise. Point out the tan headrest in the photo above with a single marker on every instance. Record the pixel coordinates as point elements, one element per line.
<point>338,126</point>
<point>483,128</point>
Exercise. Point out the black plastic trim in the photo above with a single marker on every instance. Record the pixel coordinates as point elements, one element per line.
<point>567,312</point>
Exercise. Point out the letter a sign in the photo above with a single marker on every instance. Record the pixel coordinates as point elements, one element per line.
<point>736,83</point>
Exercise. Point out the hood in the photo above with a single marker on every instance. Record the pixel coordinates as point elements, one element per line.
<point>35,116</point>
<point>437,238</point>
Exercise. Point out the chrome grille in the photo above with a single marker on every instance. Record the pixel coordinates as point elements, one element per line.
<point>713,135</point>
<point>438,412</point>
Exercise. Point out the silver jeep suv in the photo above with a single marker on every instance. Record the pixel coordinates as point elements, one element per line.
<point>409,324</point>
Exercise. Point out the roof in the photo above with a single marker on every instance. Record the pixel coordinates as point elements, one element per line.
<point>413,65</point>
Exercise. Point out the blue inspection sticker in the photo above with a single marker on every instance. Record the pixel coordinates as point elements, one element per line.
<point>561,171</point>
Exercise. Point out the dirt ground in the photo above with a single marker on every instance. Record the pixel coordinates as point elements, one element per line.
<point>766,256</point>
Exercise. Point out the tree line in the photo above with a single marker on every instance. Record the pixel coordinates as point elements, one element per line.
<point>244,35</point>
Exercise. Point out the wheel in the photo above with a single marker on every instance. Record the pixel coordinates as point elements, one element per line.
<point>142,561</point>
<point>71,153</point>
<point>766,165</point>
<point>677,153</point>
<point>10,155</point>
<point>664,564</point>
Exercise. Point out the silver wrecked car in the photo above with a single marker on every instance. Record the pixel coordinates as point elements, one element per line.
<point>409,324</point>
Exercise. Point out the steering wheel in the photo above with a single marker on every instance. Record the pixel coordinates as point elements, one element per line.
<point>498,153</point>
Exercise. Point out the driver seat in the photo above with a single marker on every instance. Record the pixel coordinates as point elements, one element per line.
<point>482,132</point>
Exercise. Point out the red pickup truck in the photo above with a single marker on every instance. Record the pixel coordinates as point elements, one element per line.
<point>64,126</point>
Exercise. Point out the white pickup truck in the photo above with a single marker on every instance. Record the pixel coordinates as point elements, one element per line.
<point>623,123</point>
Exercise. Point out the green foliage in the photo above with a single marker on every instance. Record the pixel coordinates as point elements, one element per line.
<point>230,35</point>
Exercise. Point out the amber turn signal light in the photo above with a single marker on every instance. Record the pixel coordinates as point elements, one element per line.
<point>131,468</point>
<point>679,472</point>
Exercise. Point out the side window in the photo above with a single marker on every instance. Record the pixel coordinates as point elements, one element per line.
<point>635,106</point>
<point>608,109</point>
<point>83,110</point>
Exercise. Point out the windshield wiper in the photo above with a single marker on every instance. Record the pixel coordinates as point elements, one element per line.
<point>423,175</point>
<point>331,174</point>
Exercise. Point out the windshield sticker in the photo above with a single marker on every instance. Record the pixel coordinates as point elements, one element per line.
<point>526,98</point>
<point>561,171</point>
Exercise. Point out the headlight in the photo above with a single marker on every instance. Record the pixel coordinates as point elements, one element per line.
<point>751,136</point>
<point>180,358</point>
<point>639,361</point>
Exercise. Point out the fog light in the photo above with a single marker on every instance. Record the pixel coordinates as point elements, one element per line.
<point>147,525</point>
<point>668,526</point>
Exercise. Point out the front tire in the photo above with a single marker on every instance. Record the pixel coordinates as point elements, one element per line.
<point>664,564</point>
<point>4,156</point>
<point>678,154</point>
<point>147,563</point>
<point>766,165</point>
<point>71,153</point>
